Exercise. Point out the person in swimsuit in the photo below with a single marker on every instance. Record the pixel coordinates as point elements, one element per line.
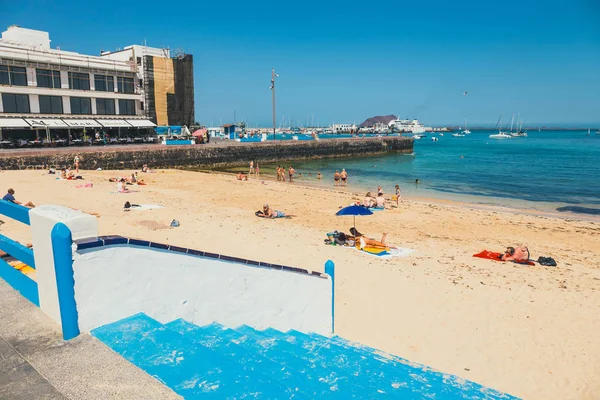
<point>336,178</point>
<point>251,168</point>
<point>257,169</point>
<point>268,212</point>
<point>380,201</point>
<point>76,162</point>
<point>242,177</point>
<point>291,173</point>
<point>319,176</point>
<point>362,241</point>
<point>515,254</point>
<point>344,176</point>
<point>379,191</point>
<point>368,200</point>
<point>398,196</point>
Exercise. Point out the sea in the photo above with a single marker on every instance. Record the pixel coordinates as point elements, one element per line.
<point>549,171</point>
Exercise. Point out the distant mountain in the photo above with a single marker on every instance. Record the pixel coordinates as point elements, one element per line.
<point>378,120</point>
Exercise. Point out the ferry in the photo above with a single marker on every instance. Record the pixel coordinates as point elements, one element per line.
<point>408,126</point>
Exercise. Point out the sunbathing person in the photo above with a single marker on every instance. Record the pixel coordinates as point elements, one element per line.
<point>515,254</point>
<point>268,212</point>
<point>121,188</point>
<point>363,241</point>
<point>368,201</point>
<point>242,177</point>
<point>10,196</point>
<point>380,201</point>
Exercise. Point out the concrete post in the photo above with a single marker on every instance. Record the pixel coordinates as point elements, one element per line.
<point>330,270</point>
<point>42,221</point>
<point>65,283</point>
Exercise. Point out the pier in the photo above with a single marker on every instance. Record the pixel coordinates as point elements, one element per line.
<point>217,154</point>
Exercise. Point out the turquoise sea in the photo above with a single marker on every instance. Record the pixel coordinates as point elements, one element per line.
<point>546,171</point>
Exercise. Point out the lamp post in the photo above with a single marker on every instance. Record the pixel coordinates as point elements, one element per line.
<point>273,76</point>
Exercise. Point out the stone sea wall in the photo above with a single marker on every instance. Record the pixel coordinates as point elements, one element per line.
<point>205,156</point>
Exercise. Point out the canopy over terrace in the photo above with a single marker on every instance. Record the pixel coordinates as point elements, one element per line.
<point>60,123</point>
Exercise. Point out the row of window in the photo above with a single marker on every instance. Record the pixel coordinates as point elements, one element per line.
<point>19,103</point>
<point>17,76</point>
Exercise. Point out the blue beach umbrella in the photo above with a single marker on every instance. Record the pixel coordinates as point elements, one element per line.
<point>354,211</point>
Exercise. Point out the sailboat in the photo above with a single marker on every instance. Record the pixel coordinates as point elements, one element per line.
<point>589,132</point>
<point>500,134</point>
<point>466,131</point>
<point>520,132</point>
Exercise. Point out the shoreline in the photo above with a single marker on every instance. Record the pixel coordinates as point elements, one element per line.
<point>430,200</point>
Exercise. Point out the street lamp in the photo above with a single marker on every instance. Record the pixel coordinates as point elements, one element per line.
<point>273,76</point>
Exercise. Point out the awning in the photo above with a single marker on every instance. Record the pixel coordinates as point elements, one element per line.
<point>114,123</point>
<point>141,123</point>
<point>82,123</point>
<point>13,123</point>
<point>200,132</point>
<point>46,123</point>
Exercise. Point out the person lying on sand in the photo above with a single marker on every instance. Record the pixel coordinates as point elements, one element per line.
<point>268,212</point>
<point>10,196</point>
<point>515,254</point>
<point>364,241</point>
<point>242,177</point>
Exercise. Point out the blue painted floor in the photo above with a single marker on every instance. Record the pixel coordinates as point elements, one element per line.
<point>213,362</point>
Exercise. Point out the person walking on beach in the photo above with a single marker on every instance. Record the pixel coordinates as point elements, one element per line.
<point>291,173</point>
<point>283,174</point>
<point>336,178</point>
<point>76,162</point>
<point>344,176</point>
<point>251,168</point>
<point>397,196</point>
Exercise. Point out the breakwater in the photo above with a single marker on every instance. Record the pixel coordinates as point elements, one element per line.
<point>224,154</point>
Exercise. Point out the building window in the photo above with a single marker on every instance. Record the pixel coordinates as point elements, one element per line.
<point>105,107</point>
<point>142,105</point>
<point>139,60</point>
<point>81,105</point>
<point>104,83</point>
<point>48,78</point>
<point>51,105</point>
<point>16,76</point>
<point>126,107</point>
<point>125,85</point>
<point>79,81</point>
<point>15,103</point>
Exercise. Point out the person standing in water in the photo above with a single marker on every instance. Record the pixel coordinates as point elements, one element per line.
<point>257,169</point>
<point>336,178</point>
<point>344,176</point>
<point>251,168</point>
<point>291,173</point>
<point>319,176</point>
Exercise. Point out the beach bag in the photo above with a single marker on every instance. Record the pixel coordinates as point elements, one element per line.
<point>547,261</point>
<point>174,223</point>
<point>127,205</point>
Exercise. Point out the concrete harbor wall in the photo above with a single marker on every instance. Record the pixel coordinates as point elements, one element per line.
<point>211,156</point>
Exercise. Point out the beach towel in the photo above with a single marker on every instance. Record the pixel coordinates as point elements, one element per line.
<point>87,185</point>
<point>386,253</point>
<point>490,255</point>
<point>145,206</point>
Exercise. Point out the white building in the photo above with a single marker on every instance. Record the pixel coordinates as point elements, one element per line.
<point>343,128</point>
<point>45,88</point>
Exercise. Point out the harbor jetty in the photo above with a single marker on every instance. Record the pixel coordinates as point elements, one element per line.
<point>208,156</point>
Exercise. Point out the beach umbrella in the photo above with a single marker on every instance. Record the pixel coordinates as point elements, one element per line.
<point>354,211</point>
<point>199,132</point>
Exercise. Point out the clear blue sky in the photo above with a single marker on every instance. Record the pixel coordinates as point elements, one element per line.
<point>345,61</point>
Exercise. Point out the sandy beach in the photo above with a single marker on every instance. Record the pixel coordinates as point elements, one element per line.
<point>530,331</point>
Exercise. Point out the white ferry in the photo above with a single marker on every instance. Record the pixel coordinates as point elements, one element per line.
<point>408,126</point>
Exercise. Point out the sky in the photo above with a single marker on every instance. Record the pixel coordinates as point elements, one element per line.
<point>345,61</point>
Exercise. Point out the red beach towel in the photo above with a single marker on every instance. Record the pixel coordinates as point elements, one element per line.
<point>490,255</point>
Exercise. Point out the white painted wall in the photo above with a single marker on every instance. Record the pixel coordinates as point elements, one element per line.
<point>116,282</point>
<point>43,219</point>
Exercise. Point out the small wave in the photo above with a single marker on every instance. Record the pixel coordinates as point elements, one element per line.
<point>579,210</point>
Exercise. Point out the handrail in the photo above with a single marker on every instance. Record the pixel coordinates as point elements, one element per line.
<point>15,211</point>
<point>17,250</point>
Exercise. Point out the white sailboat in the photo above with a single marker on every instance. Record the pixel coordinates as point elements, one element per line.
<point>458,134</point>
<point>500,134</point>
<point>466,131</point>
<point>520,132</point>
